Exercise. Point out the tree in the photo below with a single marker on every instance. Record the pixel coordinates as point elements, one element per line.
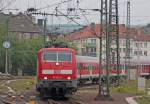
<point>2,50</point>
<point>23,52</point>
<point>24,55</point>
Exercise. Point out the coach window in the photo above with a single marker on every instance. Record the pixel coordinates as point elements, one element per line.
<point>78,66</point>
<point>84,66</point>
<point>90,66</point>
<point>93,67</point>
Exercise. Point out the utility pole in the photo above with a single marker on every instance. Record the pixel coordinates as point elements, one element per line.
<point>109,31</point>
<point>44,31</point>
<point>127,57</point>
<point>104,88</point>
<point>113,55</point>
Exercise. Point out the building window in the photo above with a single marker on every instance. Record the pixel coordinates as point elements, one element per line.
<point>93,40</point>
<point>120,50</point>
<point>145,45</point>
<point>131,50</point>
<point>124,42</point>
<point>136,44</point>
<point>145,53</point>
<point>83,40</point>
<point>141,45</point>
<point>124,50</point>
<point>27,35</point>
<point>135,53</point>
<point>93,49</point>
<point>140,53</point>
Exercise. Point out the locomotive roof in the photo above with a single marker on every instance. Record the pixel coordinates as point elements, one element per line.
<point>55,49</point>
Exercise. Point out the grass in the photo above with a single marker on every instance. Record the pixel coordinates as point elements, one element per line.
<point>2,88</point>
<point>130,88</point>
<point>143,100</point>
<point>148,83</point>
<point>22,84</point>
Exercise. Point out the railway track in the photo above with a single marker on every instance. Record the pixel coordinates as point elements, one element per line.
<point>58,101</point>
<point>69,101</point>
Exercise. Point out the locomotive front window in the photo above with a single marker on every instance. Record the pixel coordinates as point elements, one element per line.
<point>50,56</point>
<point>57,56</point>
<point>64,56</point>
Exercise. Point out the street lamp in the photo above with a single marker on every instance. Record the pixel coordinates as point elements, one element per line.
<point>6,45</point>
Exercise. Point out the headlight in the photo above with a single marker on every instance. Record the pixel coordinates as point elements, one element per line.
<point>57,63</point>
<point>69,78</point>
<point>45,77</point>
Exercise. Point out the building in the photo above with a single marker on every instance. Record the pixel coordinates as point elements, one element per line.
<point>20,24</point>
<point>88,43</point>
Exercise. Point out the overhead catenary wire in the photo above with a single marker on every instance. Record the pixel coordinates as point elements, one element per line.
<point>55,4</point>
<point>7,5</point>
<point>69,18</point>
<point>84,16</point>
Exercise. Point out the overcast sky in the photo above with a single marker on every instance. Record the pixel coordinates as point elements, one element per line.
<point>139,9</point>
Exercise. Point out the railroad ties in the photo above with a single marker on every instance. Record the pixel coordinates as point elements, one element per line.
<point>51,101</point>
<point>12,99</point>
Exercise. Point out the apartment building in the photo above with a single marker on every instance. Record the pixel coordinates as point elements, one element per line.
<point>88,43</point>
<point>20,24</point>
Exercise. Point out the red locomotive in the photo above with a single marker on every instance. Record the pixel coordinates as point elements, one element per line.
<point>59,69</point>
<point>56,72</point>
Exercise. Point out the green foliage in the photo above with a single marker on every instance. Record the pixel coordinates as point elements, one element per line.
<point>24,55</point>
<point>22,85</point>
<point>23,52</point>
<point>143,100</point>
<point>128,87</point>
<point>2,50</point>
<point>73,46</point>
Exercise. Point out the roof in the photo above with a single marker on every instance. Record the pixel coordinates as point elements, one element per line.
<point>88,59</point>
<point>20,23</point>
<point>54,49</point>
<point>138,34</point>
<point>63,28</point>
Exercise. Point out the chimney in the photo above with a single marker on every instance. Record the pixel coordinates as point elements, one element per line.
<point>10,13</point>
<point>40,22</point>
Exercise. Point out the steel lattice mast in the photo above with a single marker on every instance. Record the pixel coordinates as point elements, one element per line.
<point>127,55</point>
<point>113,54</point>
<point>104,89</point>
<point>109,42</point>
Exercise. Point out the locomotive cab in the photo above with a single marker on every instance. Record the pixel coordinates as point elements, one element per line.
<point>56,72</point>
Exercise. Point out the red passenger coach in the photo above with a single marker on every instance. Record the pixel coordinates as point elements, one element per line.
<point>59,69</point>
<point>56,72</point>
